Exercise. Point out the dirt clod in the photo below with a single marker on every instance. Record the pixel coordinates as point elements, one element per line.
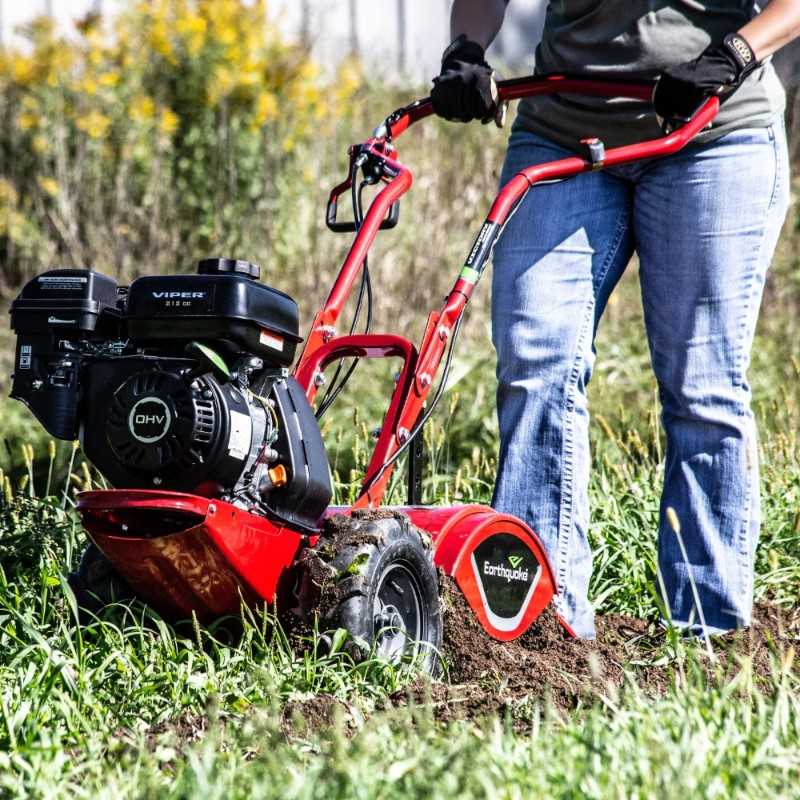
<point>301,717</point>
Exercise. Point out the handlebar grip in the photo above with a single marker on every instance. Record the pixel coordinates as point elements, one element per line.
<point>392,218</point>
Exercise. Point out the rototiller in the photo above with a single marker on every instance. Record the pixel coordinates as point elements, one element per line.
<point>182,392</point>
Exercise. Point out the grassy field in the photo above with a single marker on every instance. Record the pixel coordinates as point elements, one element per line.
<point>127,706</point>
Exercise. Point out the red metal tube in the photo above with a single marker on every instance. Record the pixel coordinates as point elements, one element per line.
<point>393,191</point>
<point>534,85</point>
<point>566,167</point>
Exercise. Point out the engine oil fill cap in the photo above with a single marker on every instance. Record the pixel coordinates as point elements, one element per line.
<point>227,266</point>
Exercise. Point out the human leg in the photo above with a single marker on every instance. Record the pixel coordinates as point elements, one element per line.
<point>706,224</point>
<point>554,267</point>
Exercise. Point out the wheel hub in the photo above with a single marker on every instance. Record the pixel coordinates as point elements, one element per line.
<point>397,613</point>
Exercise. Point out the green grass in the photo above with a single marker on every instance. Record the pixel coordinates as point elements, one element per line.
<point>103,710</point>
<point>719,742</point>
<point>700,742</point>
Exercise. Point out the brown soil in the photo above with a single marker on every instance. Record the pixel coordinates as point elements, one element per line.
<point>546,667</point>
<point>184,729</point>
<point>302,717</point>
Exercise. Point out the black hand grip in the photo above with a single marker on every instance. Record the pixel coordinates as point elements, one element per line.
<point>392,218</point>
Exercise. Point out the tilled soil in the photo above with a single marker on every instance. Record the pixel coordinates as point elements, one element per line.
<point>546,667</point>
<point>304,717</point>
<point>542,669</point>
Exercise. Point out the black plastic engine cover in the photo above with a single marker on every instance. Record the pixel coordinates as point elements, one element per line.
<point>306,496</point>
<point>63,300</point>
<point>52,313</point>
<point>146,427</point>
<point>257,318</point>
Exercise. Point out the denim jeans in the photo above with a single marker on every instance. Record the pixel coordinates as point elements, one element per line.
<point>705,223</point>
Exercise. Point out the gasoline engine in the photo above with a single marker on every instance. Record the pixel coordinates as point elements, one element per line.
<point>177,382</point>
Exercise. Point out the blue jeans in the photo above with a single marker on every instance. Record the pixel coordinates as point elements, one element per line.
<point>705,223</point>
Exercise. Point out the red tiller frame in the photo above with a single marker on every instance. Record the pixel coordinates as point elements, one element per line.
<point>420,366</point>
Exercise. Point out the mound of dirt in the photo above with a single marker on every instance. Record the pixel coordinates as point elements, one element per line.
<point>302,717</point>
<point>545,666</point>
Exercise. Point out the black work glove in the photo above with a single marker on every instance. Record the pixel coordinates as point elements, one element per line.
<point>465,89</point>
<point>720,70</point>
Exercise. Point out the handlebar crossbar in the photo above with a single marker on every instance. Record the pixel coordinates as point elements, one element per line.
<point>531,86</point>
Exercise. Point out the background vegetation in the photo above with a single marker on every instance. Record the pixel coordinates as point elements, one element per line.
<point>188,129</point>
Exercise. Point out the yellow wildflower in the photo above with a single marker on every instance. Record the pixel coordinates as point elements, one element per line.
<point>61,59</point>
<point>192,29</point>
<point>94,124</point>
<point>109,79</point>
<point>159,39</point>
<point>223,15</point>
<point>142,108</point>
<point>27,121</point>
<point>22,68</point>
<point>48,185</point>
<point>266,108</point>
<point>89,85</point>
<point>8,194</point>
<point>249,73</point>
<point>309,71</point>
<point>222,83</point>
<point>40,145</point>
<point>168,122</point>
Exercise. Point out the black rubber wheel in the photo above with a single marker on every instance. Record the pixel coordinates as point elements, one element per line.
<point>372,574</point>
<point>96,583</point>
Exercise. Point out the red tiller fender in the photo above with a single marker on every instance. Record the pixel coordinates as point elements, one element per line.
<point>187,554</point>
<point>183,553</point>
<point>497,561</point>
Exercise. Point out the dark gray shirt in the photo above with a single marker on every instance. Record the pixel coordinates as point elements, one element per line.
<point>638,38</point>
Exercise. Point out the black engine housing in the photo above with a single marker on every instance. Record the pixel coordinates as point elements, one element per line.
<point>179,383</point>
<point>147,426</point>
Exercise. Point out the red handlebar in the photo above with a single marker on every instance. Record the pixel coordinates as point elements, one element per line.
<point>398,122</point>
<point>535,85</point>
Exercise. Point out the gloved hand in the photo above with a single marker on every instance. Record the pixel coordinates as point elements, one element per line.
<point>720,70</point>
<point>465,89</point>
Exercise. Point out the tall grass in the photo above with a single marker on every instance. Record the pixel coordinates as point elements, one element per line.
<point>698,741</point>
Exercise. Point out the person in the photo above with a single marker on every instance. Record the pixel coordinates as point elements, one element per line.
<point>704,222</point>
